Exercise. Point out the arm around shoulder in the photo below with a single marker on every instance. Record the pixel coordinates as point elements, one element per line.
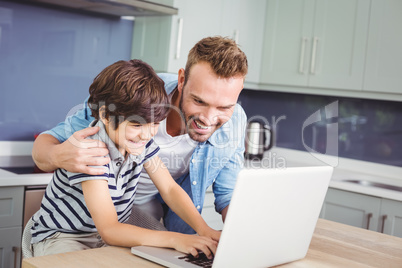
<point>77,154</point>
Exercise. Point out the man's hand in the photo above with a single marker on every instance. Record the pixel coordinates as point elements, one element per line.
<point>76,154</point>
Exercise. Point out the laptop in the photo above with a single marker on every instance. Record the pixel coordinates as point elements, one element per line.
<point>270,221</point>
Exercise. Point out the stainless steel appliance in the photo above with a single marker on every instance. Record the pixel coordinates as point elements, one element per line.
<point>259,138</point>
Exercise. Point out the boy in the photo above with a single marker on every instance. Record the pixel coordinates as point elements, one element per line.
<point>81,211</point>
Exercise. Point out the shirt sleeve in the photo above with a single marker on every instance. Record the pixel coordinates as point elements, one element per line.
<point>75,178</point>
<point>151,150</point>
<point>225,182</point>
<point>80,117</point>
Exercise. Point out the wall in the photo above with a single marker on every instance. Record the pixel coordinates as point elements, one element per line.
<point>369,130</point>
<point>48,59</point>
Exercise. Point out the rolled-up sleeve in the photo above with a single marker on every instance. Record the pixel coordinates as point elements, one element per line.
<point>225,182</point>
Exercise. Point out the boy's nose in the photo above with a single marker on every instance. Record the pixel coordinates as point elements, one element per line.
<point>147,132</point>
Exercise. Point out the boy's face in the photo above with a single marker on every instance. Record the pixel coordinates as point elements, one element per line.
<point>207,101</point>
<point>131,137</point>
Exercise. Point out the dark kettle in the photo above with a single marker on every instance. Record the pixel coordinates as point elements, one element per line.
<point>259,139</point>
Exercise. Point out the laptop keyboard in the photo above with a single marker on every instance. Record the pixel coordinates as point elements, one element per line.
<point>201,261</point>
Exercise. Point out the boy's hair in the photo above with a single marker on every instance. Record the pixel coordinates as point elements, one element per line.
<point>221,53</point>
<point>128,90</point>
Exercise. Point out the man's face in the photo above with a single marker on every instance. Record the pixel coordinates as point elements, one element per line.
<point>207,101</point>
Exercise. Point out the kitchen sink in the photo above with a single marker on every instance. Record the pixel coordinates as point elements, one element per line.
<point>375,184</point>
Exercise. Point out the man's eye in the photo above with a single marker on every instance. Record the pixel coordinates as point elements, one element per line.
<point>198,101</point>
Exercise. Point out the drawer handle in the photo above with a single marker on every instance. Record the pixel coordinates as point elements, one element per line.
<point>302,49</point>
<point>384,218</point>
<point>369,216</point>
<point>313,55</point>
<point>15,250</point>
<point>179,37</point>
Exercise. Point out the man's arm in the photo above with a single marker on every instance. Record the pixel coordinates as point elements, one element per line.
<point>65,146</point>
<point>177,199</point>
<point>76,154</point>
<point>225,182</point>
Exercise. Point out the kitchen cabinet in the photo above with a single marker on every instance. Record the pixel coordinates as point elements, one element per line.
<point>315,43</point>
<point>391,217</point>
<point>11,209</point>
<point>384,57</point>
<point>164,41</point>
<point>364,211</point>
<point>242,20</point>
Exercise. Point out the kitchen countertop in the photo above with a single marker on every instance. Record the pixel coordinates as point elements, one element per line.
<point>345,169</point>
<point>332,245</point>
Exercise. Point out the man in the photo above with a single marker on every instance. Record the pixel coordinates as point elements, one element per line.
<point>202,139</point>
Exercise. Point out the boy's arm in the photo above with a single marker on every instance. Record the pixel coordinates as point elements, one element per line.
<point>177,199</point>
<point>103,213</point>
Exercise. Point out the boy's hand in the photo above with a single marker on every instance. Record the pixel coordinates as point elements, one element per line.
<point>192,244</point>
<point>77,153</point>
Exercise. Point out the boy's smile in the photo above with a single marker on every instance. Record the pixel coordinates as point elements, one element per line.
<point>131,137</point>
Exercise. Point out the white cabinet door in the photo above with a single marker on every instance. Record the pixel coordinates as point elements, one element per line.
<point>391,217</point>
<point>196,20</point>
<point>352,209</point>
<point>384,56</point>
<point>315,43</point>
<point>164,41</point>
<point>243,20</point>
<point>287,39</point>
<point>339,44</point>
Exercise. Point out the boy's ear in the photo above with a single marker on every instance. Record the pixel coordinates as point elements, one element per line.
<point>102,115</point>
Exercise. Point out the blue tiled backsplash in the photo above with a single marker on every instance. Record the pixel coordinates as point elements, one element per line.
<point>48,59</point>
<point>368,130</point>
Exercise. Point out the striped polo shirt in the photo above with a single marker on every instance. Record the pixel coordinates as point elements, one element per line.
<point>63,208</point>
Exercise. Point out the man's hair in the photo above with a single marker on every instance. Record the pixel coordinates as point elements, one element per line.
<point>129,90</point>
<point>221,53</point>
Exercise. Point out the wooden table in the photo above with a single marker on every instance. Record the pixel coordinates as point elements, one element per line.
<point>333,245</point>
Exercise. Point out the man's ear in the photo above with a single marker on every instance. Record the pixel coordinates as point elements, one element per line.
<point>180,80</point>
<point>102,115</point>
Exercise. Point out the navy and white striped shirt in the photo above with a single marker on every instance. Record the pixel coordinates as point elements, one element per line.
<point>63,208</point>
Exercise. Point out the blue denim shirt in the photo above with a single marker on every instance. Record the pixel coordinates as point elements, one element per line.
<point>215,162</point>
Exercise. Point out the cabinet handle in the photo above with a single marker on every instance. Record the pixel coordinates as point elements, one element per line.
<point>384,217</point>
<point>236,36</point>
<point>369,216</point>
<point>313,55</point>
<point>179,36</point>
<point>15,250</point>
<point>302,49</point>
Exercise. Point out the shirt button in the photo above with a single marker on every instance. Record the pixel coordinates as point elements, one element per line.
<point>194,183</point>
<point>193,160</point>
<point>198,207</point>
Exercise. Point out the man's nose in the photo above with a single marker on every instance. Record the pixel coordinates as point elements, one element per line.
<point>210,116</point>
